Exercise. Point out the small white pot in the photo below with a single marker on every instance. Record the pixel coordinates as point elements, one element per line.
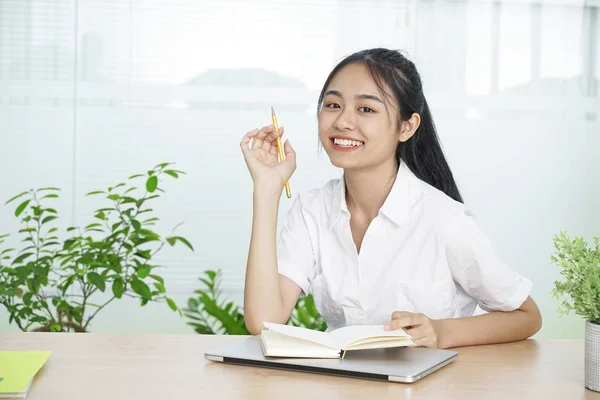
<point>592,356</point>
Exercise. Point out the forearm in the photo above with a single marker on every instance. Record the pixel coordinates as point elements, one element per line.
<point>494,327</point>
<point>262,292</point>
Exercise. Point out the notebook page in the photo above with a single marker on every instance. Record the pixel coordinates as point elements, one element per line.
<point>277,344</point>
<point>350,334</point>
<point>17,369</point>
<point>302,333</point>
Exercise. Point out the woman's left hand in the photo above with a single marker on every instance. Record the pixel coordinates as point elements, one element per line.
<point>423,330</point>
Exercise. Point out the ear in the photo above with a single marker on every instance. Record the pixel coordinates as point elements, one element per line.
<point>409,127</point>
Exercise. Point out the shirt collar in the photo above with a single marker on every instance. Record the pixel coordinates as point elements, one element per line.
<point>405,193</point>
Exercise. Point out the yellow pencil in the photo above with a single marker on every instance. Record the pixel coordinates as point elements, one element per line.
<point>280,149</point>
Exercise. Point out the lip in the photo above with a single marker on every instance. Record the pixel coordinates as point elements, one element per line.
<point>344,149</point>
<point>344,137</point>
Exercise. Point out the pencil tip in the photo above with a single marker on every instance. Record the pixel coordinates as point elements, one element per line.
<point>272,111</point>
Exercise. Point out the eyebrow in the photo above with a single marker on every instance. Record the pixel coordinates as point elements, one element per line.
<point>358,96</point>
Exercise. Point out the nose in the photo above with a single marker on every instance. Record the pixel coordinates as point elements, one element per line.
<point>345,120</point>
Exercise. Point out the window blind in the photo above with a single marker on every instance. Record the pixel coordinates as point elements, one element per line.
<point>94,91</point>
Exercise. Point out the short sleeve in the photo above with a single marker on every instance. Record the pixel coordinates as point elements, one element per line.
<point>295,256</point>
<point>478,271</point>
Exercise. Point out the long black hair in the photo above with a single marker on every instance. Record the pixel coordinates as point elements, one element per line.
<point>422,153</point>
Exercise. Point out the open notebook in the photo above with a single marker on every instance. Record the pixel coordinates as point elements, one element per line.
<point>17,370</point>
<point>290,341</point>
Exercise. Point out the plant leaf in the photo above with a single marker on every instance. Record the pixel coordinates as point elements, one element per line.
<point>136,224</point>
<point>163,165</point>
<point>118,287</point>
<point>21,258</point>
<point>93,225</point>
<point>16,197</point>
<point>143,271</point>
<point>95,192</point>
<point>22,207</point>
<point>193,303</point>
<point>171,304</point>
<point>145,254</point>
<point>152,183</point>
<point>173,239</point>
<point>48,219</point>
<point>140,288</point>
<point>158,279</point>
<point>96,280</point>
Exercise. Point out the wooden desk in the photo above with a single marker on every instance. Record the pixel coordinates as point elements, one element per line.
<point>106,366</point>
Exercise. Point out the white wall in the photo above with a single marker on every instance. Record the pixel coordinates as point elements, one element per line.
<point>509,85</point>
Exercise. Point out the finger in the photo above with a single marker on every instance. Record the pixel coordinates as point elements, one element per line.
<point>278,133</point>
<point>290,153</point>
<point>289,150</point>
<point>418,333</point>
<point>396,324</point>
<point>261,136</point>
<point>274,149</point>
<point>404,320</point>
<point>245,143</point>
<point>267,138</point>
<point>264,131</point>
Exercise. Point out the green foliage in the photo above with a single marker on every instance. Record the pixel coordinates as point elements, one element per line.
<point>306,315</point>
<point>580,268</point>
<point>209,314</point>
<point>49,283</point>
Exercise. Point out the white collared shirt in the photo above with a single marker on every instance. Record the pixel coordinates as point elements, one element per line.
<point>422,253</point>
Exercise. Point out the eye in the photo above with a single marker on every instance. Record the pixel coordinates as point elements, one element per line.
<point>366,110</point>
<point>332,105</point>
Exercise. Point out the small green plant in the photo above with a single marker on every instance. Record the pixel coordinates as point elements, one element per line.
<point>209,313</point>
<point>50,283</point>
<point>580,268</point>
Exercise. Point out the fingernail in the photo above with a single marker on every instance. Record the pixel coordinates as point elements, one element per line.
<point>386,327</point>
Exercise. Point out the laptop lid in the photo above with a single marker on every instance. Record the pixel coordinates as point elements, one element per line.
<point>404,364</point>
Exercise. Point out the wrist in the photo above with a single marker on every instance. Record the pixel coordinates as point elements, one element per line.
<point>267,192</point>
<point>444,337</point>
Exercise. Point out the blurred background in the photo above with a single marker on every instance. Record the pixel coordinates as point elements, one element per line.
<point>93,91</point>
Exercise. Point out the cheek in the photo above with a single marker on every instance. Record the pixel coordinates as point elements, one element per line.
<point>379,131</point>
<point>324,125</point>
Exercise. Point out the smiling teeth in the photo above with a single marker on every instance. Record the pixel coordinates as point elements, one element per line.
<point>347,143</point>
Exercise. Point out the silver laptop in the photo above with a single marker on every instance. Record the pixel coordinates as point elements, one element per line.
<point>404,364</point>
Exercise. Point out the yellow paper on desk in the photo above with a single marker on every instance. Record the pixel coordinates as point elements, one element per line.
<point>17,369</point>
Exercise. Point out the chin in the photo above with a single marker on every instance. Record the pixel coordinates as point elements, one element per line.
<point>343,162</point>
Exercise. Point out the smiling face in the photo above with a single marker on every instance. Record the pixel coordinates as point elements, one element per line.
<point>356,128</point>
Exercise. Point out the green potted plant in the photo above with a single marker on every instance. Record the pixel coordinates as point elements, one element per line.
<point>209,314</point>
<point>580,291</point>
<point>54,283</point>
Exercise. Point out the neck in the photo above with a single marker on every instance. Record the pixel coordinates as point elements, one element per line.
<point>367,189</point>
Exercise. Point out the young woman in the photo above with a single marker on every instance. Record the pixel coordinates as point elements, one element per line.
<point>389,243</point>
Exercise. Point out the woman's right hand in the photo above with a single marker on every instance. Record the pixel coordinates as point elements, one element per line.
<point>262,158</point>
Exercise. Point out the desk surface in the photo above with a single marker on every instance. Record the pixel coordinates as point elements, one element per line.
<point>131,366</point>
